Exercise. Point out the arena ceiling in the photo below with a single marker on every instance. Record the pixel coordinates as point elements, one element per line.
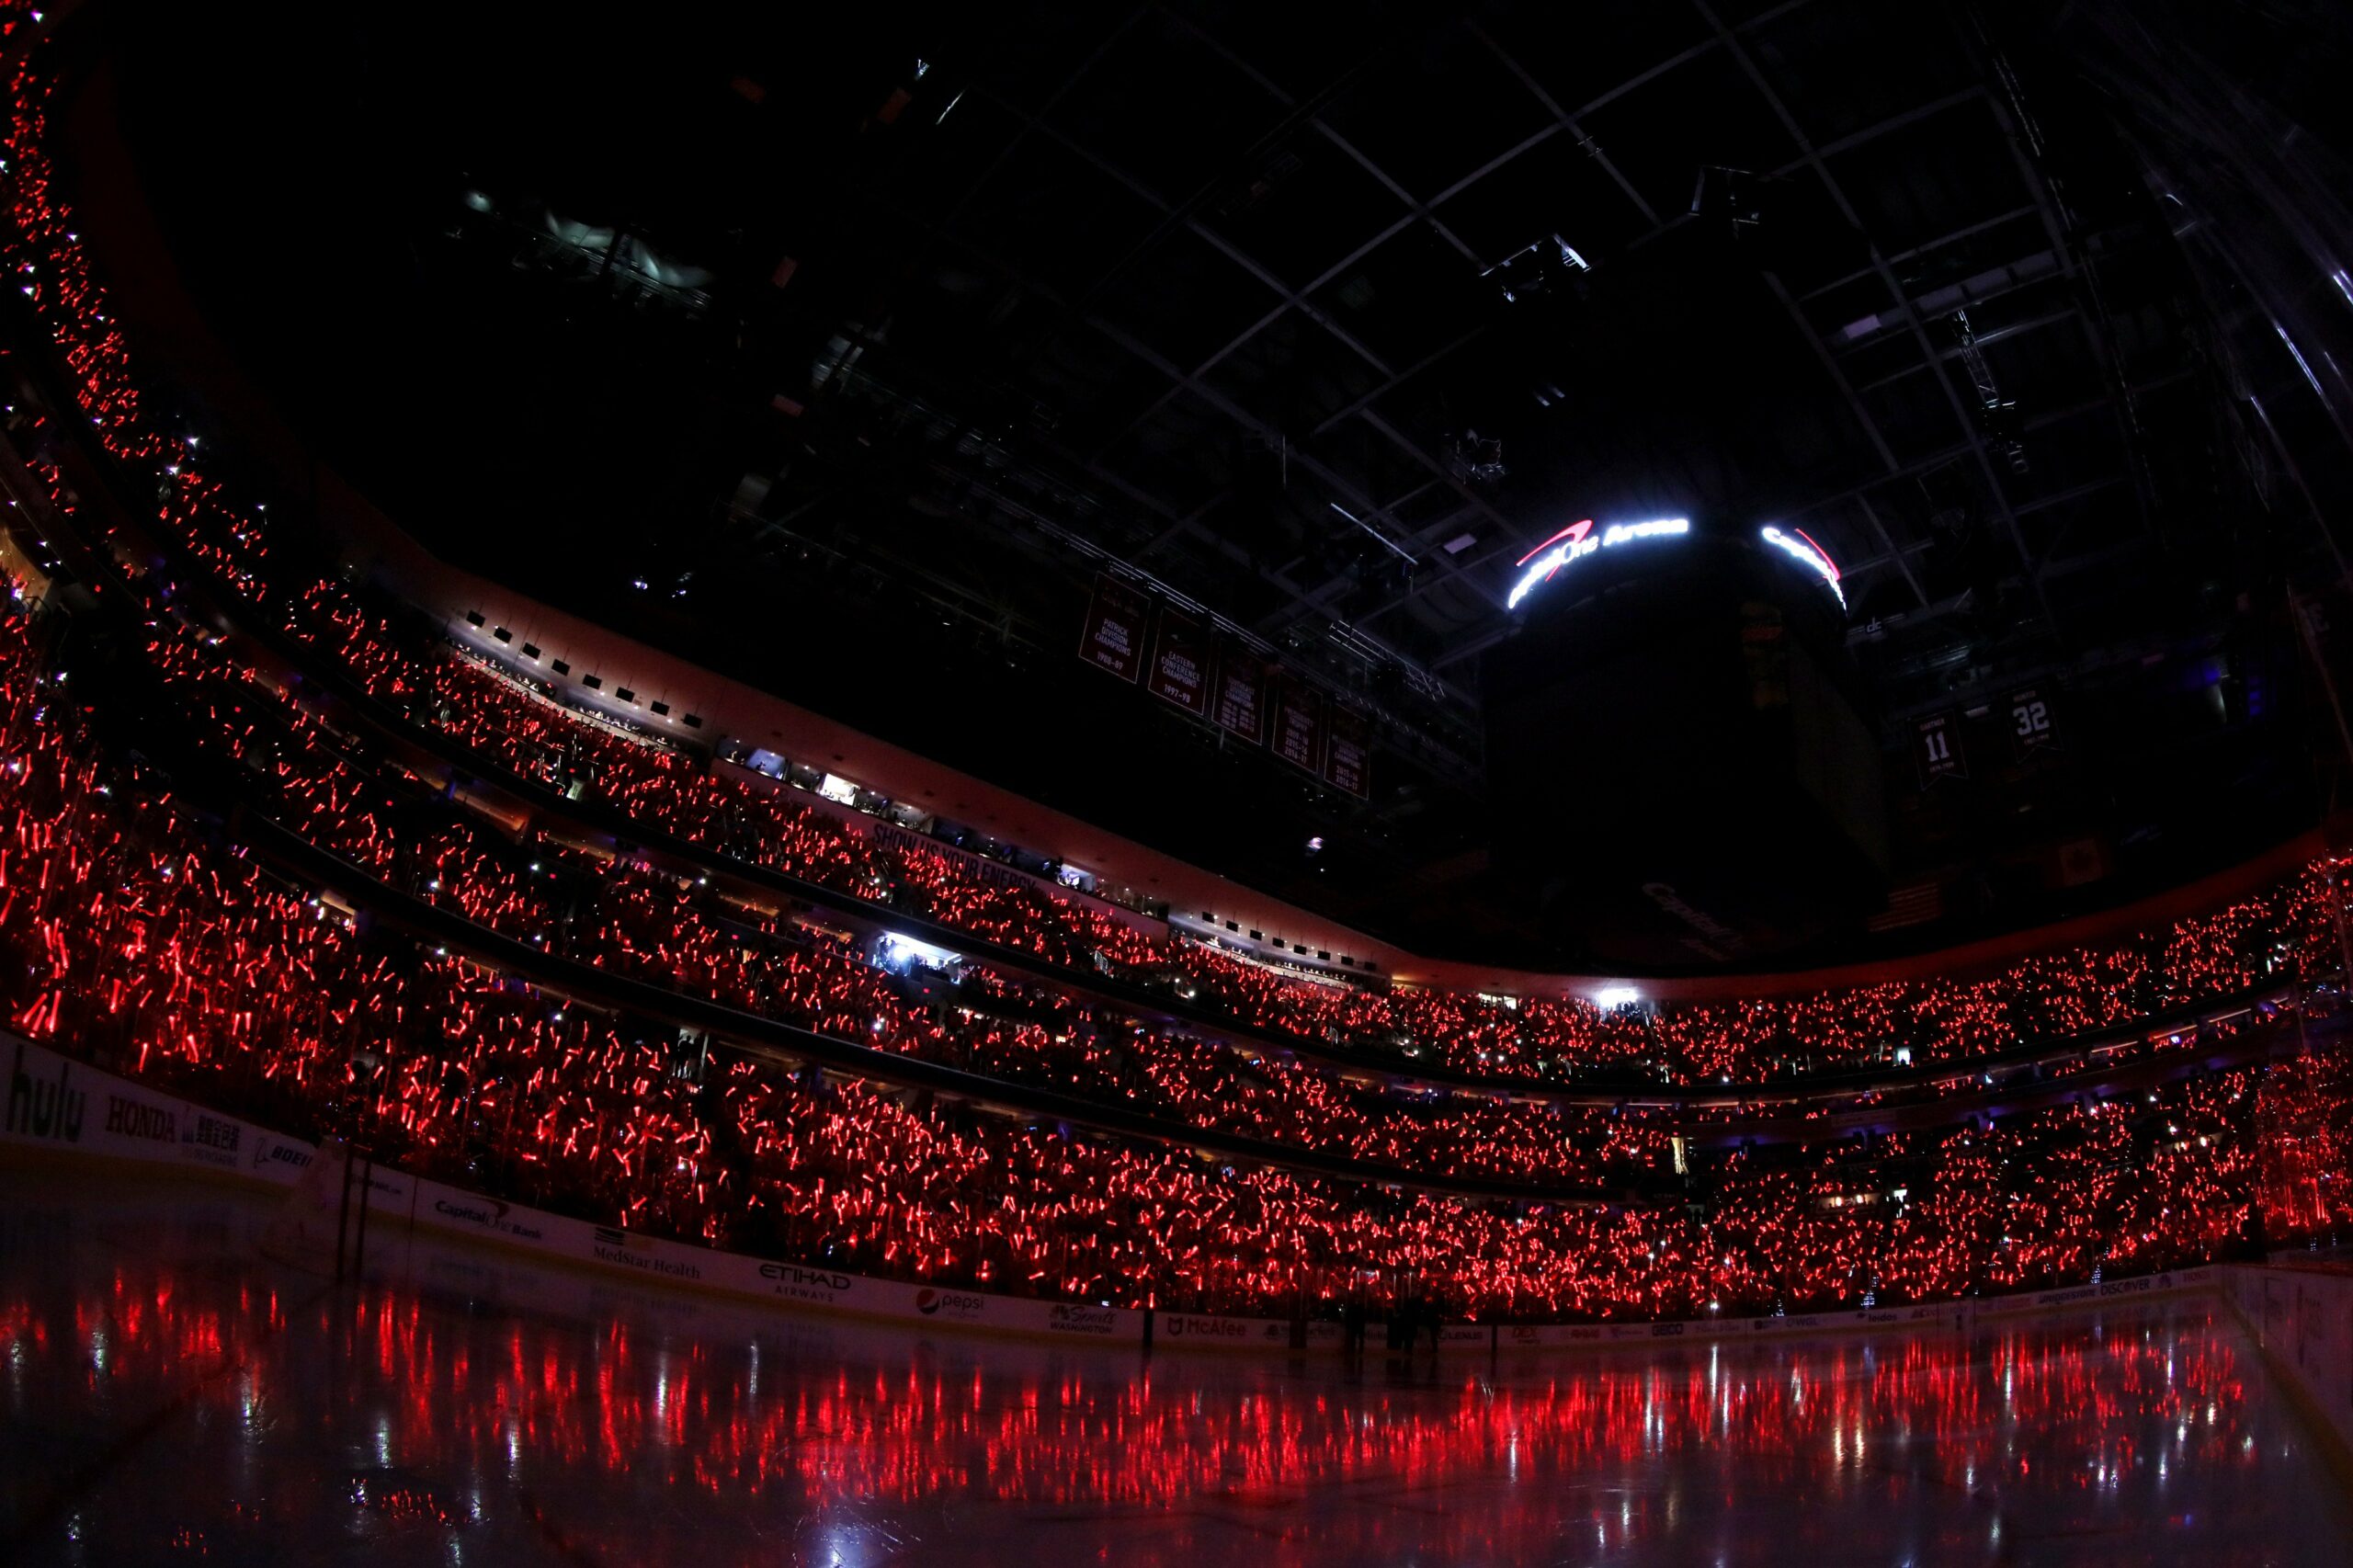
<point>1339,352</point>
<point>1314,317</point>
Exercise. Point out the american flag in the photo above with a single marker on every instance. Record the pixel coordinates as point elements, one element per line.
<point>1913,905</point>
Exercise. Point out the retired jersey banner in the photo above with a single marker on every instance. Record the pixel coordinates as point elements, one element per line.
<point>1180,662</point>
<point>1299,725</point>
<point>2030,727</point>
<point>1348,754</point>
<point>1115,625</point>
<point>1241,695</point>
<point>1940,753</point>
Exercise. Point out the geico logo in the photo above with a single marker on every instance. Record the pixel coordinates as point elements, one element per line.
<point>791,1276</point>
<point>928,1302</point>
<point>1525,1336</point>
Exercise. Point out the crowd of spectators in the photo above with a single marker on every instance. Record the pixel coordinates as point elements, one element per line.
<point>136,935</point>
<point>672,931</point>
<point>142,936</point>
<point>2283,935</point>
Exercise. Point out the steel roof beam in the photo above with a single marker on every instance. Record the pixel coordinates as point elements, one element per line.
<point>2015,329</point>
<point>1814,159</point>
<point>1032,121</point>
<point>1896,259</point>
<point>1862,415</point>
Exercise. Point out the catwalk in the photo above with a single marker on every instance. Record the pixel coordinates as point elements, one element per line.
<point>169,1394</point>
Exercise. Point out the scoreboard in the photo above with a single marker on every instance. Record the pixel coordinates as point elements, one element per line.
<point>1680,769</point>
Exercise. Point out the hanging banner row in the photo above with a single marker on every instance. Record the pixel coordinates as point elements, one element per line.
<point>1182,661</point>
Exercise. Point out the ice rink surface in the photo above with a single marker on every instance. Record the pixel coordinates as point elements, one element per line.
<point>170,1395</point>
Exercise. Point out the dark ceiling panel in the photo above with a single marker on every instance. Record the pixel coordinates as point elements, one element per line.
<point>1558,187</point>
<point>1039,50</point>
<point>1298,206</point>
<point>1182,453</point>
<point>1579,55</point>
<point>1430,112</point>
<point>1844,65</point>
<point>1320,44</point>
<point>930,173</point>
<point>1927,177</point>
<point>1292,374</point>
<point>1167,108</point>
<point>1405,299</point>
<point>1094,388</point>
<point>1704,111</point>
<point>1184,298</point>
<point>1062,218</point>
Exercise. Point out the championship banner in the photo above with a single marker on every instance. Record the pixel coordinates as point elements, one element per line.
<point>1299,726</point>
<point>1180,662</point>
<point>1347,756</point>
<point>1115,623</point>
<point>1241,695</point>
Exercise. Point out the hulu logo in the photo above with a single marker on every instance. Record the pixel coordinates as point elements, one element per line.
<point>44,1109</point>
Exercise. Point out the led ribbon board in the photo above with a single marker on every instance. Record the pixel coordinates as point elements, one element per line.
<point>1802,548</point>
<point>1578,541</point>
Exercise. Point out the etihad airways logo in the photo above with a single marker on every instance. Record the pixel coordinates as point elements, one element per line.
<point>794,1281</point>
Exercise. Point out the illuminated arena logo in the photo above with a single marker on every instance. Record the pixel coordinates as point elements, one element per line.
<point>1578,541</point>
<point>1816,559</point>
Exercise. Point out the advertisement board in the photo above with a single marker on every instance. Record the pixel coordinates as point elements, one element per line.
<point>1205,1331</point>
<point>54,1103</point>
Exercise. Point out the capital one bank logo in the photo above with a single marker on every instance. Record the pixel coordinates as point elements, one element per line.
<point>1578,541</point>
